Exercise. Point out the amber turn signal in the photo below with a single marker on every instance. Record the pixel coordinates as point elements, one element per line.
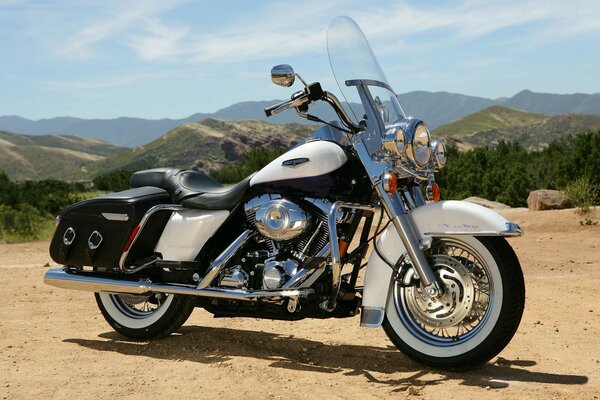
<point>390,182</point>
<point>435,191</point>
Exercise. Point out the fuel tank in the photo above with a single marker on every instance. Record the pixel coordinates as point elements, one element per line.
<point>310,159</point>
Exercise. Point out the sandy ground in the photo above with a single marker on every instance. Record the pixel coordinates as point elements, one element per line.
<point>55,344</point>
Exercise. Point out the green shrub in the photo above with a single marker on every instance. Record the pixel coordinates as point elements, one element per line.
<point>24,223</point>
<point>113,181</point>
<point>583,193</point>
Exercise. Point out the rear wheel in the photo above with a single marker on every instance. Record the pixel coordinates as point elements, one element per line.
<point>145,317</point>
<point>482,305</point>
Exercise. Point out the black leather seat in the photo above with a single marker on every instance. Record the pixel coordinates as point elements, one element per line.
<point>224,198</point>
<point>156,177</point>
<point>179,183</point>
<point>192,189</point>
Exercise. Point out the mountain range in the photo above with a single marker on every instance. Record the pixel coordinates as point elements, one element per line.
<point>210,143</point>
<point>436,108</point>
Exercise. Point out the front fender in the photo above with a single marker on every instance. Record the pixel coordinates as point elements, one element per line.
<point>445,218</point>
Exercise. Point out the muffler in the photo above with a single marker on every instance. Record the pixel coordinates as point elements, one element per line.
<point>60,278</point>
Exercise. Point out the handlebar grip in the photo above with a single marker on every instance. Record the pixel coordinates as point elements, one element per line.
<point>274,108</point>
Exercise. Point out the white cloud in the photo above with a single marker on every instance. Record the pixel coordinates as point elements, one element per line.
<point>117,19</point>
<point>284,32</point>
<point>159,42</point>
<point>280,30</point>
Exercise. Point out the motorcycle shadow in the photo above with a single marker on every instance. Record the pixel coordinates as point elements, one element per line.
<point>208,345</point>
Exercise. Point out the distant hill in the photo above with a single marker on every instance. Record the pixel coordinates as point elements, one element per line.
<point>555,104</point>
<point>205,145</point>
<point>48,156</point>
<point>434,108</point>
<point>533,131</point>
<point>494,117</point>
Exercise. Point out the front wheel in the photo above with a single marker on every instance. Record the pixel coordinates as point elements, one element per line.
<point>145,317</point>
<point>482,305</point>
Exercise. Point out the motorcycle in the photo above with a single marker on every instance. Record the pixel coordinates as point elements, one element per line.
<point>441,280</point>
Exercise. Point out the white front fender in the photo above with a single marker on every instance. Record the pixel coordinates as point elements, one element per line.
<point>446,218</point>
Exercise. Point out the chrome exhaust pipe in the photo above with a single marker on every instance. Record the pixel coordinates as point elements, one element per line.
<point>60,278</point>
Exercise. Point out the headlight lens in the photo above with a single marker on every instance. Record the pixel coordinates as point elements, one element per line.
<point>438,148</point>
<point>420,147</point>
<point>394,142</point>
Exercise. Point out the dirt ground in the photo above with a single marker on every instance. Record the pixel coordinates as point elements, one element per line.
<point>54,343</point>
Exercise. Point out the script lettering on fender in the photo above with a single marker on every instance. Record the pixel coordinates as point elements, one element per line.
<point>461,226</point>
<point>294,162</point>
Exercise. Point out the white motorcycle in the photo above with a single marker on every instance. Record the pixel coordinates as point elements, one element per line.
<point>441,279</point>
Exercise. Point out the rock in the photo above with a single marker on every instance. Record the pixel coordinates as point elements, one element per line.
<point>546,199</point>
<point>413,391</point>
<point>485,202</point>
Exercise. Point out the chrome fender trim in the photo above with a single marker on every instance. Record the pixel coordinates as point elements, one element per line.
<point>445,218</point>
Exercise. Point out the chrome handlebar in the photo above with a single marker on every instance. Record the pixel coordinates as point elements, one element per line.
<point>298,99</point>
<point>313,92</point>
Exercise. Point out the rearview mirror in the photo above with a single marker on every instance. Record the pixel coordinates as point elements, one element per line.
<point>283,75</point>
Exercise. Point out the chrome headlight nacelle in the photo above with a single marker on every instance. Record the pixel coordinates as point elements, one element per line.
<point>419,149</point>
<point>438,149</point>
<point>408,140</point>
<point>394,142</point>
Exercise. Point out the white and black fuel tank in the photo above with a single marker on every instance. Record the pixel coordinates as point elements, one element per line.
<point>310,159</point>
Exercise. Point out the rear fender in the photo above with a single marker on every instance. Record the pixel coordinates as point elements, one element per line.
<point>446,218</point>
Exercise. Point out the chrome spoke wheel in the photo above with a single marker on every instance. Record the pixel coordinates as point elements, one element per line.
<point>138,306</point>
<point>464,307</point>
<point>475,318</point>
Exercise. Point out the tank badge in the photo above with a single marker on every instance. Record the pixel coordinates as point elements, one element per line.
<point>294,162</point>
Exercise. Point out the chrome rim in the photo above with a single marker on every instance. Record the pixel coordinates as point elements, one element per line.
<point>138,307</point>
<point>466,304</point>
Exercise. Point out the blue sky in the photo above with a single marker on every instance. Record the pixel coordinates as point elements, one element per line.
<point>172,58</point>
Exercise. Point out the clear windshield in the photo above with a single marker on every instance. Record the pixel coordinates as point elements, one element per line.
<point>352,60</point>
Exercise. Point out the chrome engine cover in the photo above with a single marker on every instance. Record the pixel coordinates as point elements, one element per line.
<point>276,273</point>
<point>280,219</point>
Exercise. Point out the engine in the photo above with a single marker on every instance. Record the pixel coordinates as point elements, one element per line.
<point>289,234</point>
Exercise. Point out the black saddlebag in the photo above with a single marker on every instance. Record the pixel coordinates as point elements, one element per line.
<point>93,232</point>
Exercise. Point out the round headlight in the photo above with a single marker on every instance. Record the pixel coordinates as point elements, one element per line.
<point>393,142</point>
<point>438,149</point>
<point>420,151</point>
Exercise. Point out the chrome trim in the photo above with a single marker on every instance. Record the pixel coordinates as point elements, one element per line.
<point>145,218</point>
<point>280,219</point>
<point>512,230</point>
<point>305,277</point>
<point>66,241</point>
<point>91,245</point>
<point>219,262</point>
<point>59,277</point>
<point>116,217</point>
<point>371,317</point>
<point>336,267</point>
